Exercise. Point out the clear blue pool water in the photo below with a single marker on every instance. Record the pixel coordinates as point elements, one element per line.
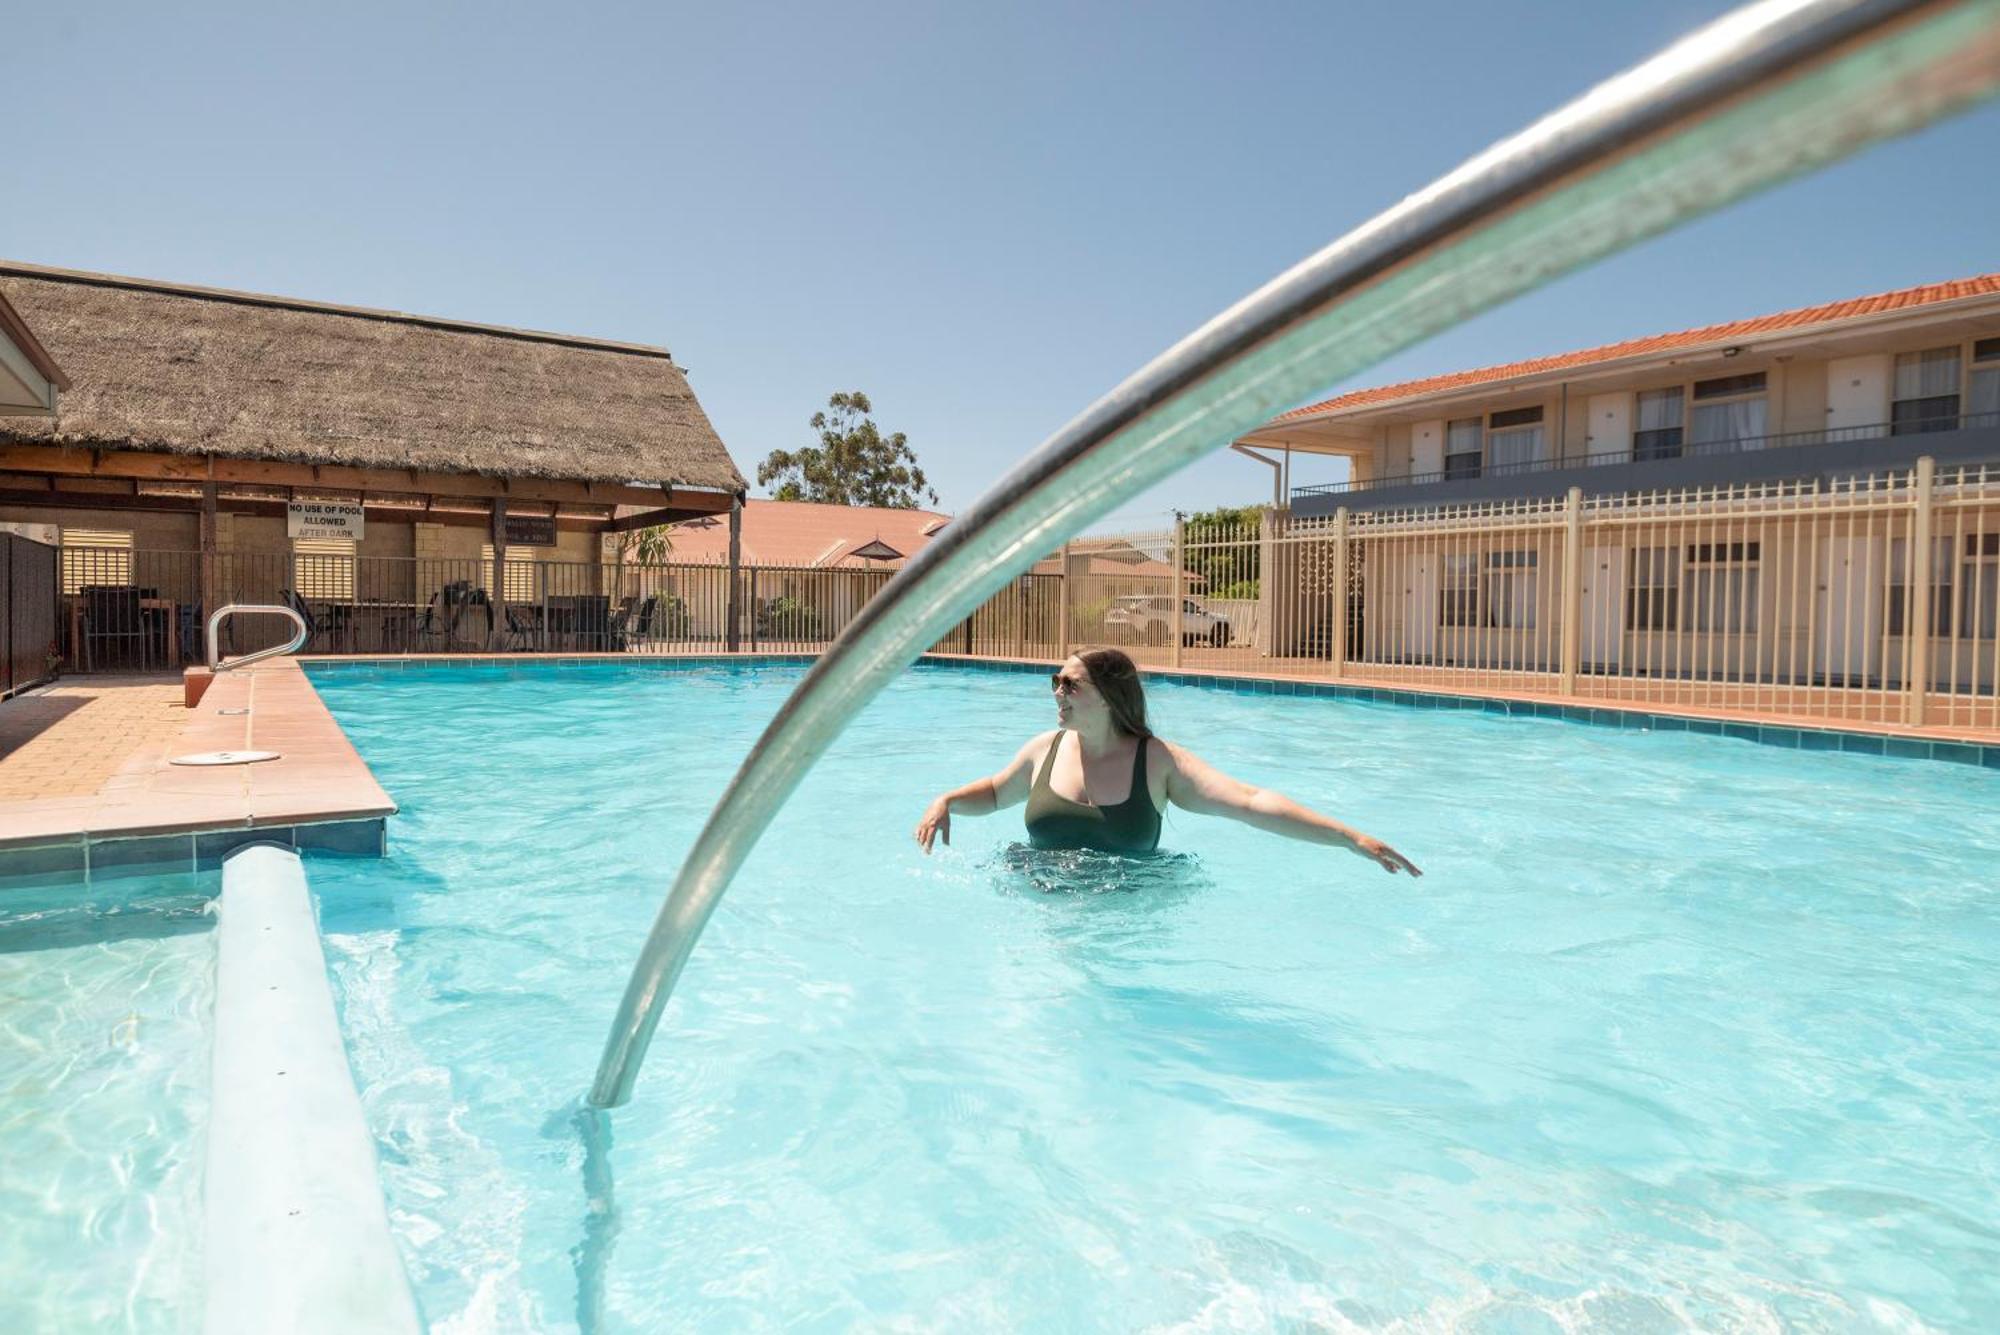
<point>106,1004</point>
<point>1677,1030</point>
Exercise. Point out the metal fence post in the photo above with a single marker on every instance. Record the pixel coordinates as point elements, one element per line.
<point>1336,667</point>
<point>1919,623</point>
<point>753,609</point>
<point>1062,608</point>
<point>1180,577</point>
<point>1572,588</point>
<point>732,608</point>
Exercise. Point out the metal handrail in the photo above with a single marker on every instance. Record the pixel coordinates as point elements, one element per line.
<point>1760,94</point>
<point>1685,449</point>
<point>215,663</point>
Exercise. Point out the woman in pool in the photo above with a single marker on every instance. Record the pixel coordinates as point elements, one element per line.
<point>1073,787</point>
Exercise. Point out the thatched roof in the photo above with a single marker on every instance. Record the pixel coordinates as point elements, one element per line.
<point>156,366</point>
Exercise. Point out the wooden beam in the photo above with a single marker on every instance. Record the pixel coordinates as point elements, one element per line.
<point>648,518</point>
<point>159,466</point>
<point>83,500</point>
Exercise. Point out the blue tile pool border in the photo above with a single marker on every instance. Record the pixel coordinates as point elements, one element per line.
<point>1787,736</point>
<point>83,860</point>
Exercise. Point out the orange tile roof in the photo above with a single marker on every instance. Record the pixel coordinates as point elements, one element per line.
<point>1984,285</point>
<point>804,533</point>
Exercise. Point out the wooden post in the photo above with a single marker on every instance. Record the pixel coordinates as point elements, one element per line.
<point>1918,624</point>
<point>211,593</point>
<point>1337,665</point>
<point>733,635</point>
<point>1180,597</point>
<point>497,606</point>
<point>1572,589</point>
<point>1062,608</point>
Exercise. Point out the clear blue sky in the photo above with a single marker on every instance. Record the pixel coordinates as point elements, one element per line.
<point>983,215</point>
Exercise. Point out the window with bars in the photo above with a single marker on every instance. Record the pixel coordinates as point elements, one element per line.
<point>1458,591</point>
<point>1658,433</point>
<point>520,572</point>
<point>1899,585</point>
<point>1653,595</point>
<point>94,556</point>
<point>1462,448</point>
<point>1728,410</point>
<point>1511,582</point>
<point>1926,393</point>
<point>1979,580</point>
<point>1721,584</point>
<point>323,568</point>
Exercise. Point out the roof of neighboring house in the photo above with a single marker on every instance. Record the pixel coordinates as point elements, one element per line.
<point>160,366</point>
<point>805,533</point>
<point>1736,331</point>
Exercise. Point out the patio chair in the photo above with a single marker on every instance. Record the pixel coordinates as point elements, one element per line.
<point>113,627</point>
<point>522,630</point>
<point>621,621</point>
<point>593,621</point>
<point>321,631</point>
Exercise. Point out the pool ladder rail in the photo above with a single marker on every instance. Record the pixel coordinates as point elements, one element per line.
<point>215,663</point>
<point>1762,93</point>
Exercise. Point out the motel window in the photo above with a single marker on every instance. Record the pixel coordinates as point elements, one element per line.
<point>520,571</point>
<point>1728,411</point>
<point>1653,598</point>
<point>1458,595</point>
<point>323,569</point>
<point>92,556</point>
<point>1982,387</point>
<point>1462,447</point>
<point>1721,586</point>
<point>1899,581</point>
<point>1514,440</point>
<point>1979,578</point>
<point>1926,395</point>
<point>1658,434</point>
<point>1510,590</point>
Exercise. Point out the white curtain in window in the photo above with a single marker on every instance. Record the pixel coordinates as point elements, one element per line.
<point>1985,387</point>
<point>1734,420</point>
<point>1462,437</point>
<point>1522,445</point>
<point>1660,409</point>
<point>1927,375</point>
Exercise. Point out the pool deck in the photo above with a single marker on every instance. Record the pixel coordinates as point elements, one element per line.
<point>86,783</point>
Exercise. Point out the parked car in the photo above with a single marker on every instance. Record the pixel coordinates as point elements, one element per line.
<point>1149,619</point>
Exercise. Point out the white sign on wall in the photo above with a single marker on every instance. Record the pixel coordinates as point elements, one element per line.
<point>323,519</point>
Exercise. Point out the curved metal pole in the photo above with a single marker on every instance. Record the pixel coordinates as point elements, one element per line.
<point>215,663</point>
<point>1762,94</point>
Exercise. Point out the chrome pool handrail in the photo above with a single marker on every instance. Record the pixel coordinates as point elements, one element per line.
<point>215,663</point>
<point>1760,94</point>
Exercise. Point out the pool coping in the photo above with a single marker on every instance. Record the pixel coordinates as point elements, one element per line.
<point>1857,739</point>
<point>319,794</point>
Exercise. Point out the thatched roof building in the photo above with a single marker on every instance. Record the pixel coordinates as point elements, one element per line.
<point>166,368</point>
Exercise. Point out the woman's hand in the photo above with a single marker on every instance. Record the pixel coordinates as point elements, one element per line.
<point>1368,846</point>
<point>936,823</point>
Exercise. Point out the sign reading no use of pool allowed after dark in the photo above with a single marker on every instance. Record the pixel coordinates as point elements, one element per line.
<point>324,519</point>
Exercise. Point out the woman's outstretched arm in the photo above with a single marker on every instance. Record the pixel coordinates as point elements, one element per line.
<point>982,797</point>
<point>1195,785</point>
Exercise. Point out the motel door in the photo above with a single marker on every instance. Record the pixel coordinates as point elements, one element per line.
<point>1601,636</point>
<point>1420,606</point>
<point>1847,630</point>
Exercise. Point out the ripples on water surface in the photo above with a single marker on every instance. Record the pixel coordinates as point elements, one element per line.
<point>1676,1030</point>
<point>106,1001</point>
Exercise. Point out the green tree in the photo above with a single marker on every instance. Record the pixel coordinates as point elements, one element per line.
<point>853,464</point>
<point>1222,546</point>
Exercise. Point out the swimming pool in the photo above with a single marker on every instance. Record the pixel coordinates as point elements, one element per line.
<point>1676,1029</point>
<point>105,1003</point>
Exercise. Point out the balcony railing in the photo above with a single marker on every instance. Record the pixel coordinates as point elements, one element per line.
<point>1659,454</point>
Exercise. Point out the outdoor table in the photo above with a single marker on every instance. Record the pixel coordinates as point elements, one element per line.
<point>172,638</point>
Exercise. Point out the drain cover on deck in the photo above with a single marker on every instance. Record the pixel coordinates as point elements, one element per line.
<point>224,758</point>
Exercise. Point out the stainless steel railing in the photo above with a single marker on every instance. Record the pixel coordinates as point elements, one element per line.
<point>215,663</point>
<point>1763,93</point>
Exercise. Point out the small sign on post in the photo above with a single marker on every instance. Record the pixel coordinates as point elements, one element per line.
<point>531,530</point>
<point>324,519</point>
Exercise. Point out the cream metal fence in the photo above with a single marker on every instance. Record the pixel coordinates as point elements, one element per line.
<point>1870,600</point>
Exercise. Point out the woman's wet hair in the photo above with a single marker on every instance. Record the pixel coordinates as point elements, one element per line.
<point>1117,680</point>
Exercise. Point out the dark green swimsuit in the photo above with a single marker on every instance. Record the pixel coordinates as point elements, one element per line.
<point>1132,826</point>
